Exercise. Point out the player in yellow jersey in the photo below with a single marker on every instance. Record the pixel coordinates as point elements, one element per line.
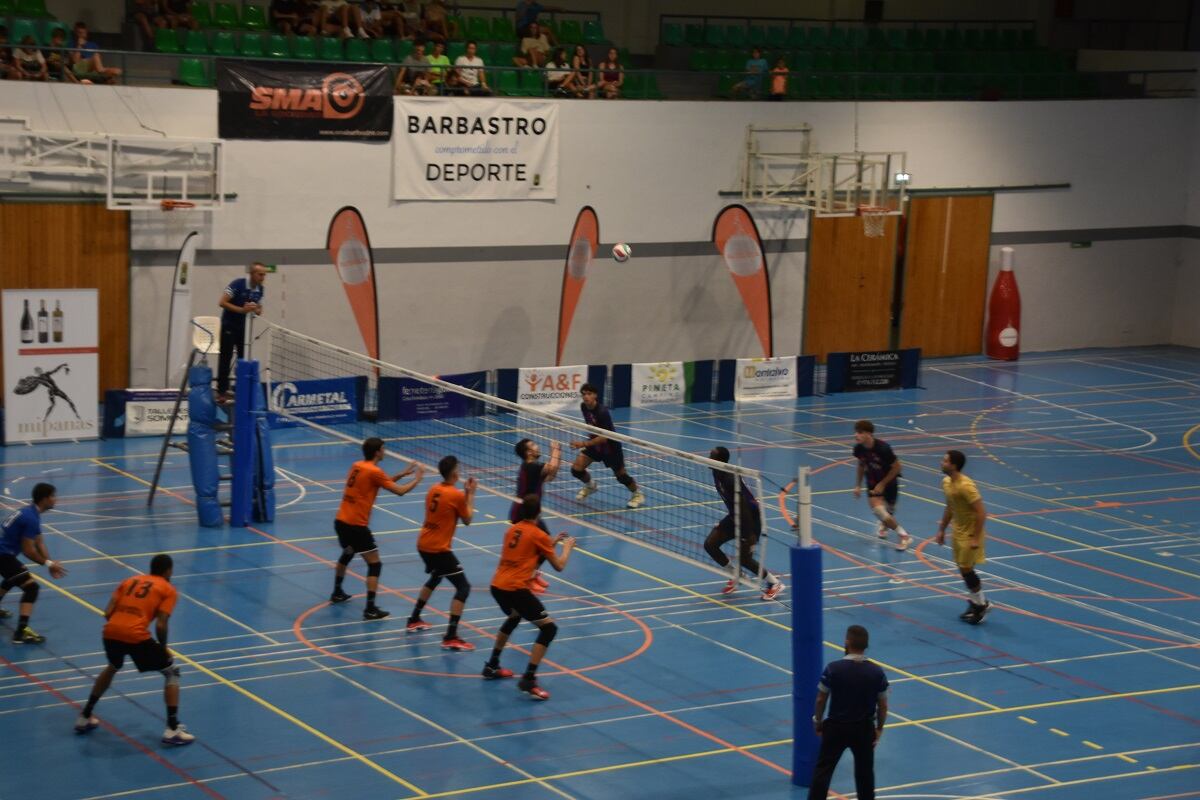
<point>966,515</point>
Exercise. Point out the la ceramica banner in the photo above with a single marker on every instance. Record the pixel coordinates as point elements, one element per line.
<point>294,100</point>
<point>51,364</point>
<point>661,382</point>
<point>452,148</point>
<point>766,379</point>
<point>551,388</point>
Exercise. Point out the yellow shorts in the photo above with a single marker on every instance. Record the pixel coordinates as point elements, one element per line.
<point>966,556</point>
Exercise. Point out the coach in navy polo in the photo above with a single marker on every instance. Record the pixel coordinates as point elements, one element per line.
<point>241,297</point>
<point>858,689</point>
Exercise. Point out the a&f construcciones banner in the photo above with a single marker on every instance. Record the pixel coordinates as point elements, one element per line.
<point>475,149</point>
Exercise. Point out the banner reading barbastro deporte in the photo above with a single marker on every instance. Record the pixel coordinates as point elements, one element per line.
<point>449,148</point>
<point>294,100</point>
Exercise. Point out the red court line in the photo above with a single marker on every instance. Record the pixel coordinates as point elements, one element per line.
<point>114,729</point>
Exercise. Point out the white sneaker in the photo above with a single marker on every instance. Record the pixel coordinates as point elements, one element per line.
<point>636,501</point>
<point>84,724</point>
<point>587,490</point>
<point>905,539</point>
<point>362,34</point>
<point>773,590</point>
<point>882,532</point>
<point>178,736</point>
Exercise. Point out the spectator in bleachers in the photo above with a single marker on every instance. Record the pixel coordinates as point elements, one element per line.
<point>179,14</point>
<point>413,77</point>
<point>436,25</point>
<point>469,75</point>
<point>526,14</point>
<point>147,15</point>
<point>560,78</point>
<point>294,16</point>
<point>581,64</point>
<point>335,18</point>
<point>391,19</point>
<point>31,64</point>
<point>756,67</point>
<point>371,18</point>
<point>56,57</point>
<point>439,67</point>
<point>612,75</point>
<point>85,59</point>
<point>779,79</point>
<point>534,48</point>
<point>7,67</point>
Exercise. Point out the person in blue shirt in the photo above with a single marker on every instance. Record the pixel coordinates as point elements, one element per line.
<point>527,12</point>
<point>21,534</point>
<point>756,69</point>
<point>241,297</point>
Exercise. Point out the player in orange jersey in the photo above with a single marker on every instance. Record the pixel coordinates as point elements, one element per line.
<point>362,484</point>
<point>136,602</point>
<point>445,505</point>
<point>525,545</point>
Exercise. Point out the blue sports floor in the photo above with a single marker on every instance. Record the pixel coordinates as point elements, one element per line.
<point>1084,682</point>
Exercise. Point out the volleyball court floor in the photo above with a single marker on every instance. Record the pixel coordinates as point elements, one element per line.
<point>1084,682</point>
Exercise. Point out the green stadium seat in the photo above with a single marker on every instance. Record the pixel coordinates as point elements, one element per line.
<point>195,43</point>
<point>991,38</point>
<point>923,61</point>
<point>549,24</point>
<point>1028,38</point>
<point>714,36</point>
<point>457,25</point>
<point>593,33</point>
<point>252,45</point>
<point>254,18</point>
<point>844,61</point>
<point>672,35</point>
<point>634,87</point>
<point>700,59</point>
<point>817,38</point>
<point>223,44</point>
<point>835,87</point>
<point>329,48</point>
<point>22,28</point>
<point>883,61</point>
<point>225,15</point>
<point>692,34</point>
<point>502,54</point>
<point>624,56</point>
<point>31,8</point>
<point>357,51</point>
<point>797,37</point>
<point>455,49</point>
<point>202,13</point>
<point>953,40</point>
<point>914,38</point>
<point>652,91</point>
<point>838,38</point>
<point>6,8</point>
<point>823,61</point>
<point>877,38</point>
<point>383,52</point>
<point>932,39</point>
<point>801,61</point>
<point>570,32</point>
<point>278,46</point>
<point>896,39</point>
<point>478,29</point>
<point>856,38</point>
<point>973,39</point>
<point>192,72</point>
<point>725,84</point>
<point>404,48</point>
<point>902,61</point>
<point>1010,39</point>
<point>507,82</point>
<point>305,48</point>
<point>777,36</point>
<point>756,36</point>
<point>165,40</point>
<point>503,30</point>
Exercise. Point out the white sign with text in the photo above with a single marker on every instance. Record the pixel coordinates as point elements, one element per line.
<point>766,379</point>
<point>551,388</point>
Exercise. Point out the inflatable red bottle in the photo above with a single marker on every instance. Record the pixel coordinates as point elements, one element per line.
<point>1004,313</point>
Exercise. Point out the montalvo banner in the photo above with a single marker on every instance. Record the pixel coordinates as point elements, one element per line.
<point>766,379</point>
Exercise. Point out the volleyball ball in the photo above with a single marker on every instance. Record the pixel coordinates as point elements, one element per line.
<point>621,252</point>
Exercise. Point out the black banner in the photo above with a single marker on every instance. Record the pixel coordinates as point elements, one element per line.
<point>876,370</point>
<point>294,100</point>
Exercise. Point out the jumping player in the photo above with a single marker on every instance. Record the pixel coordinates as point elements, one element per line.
<point>599,448</point>
<point>21,534</point>
<point>750,517</point>
<point>362,484</point>
<point>533,475</point>
<point>524,544</point>
<point>882,469</point>
<point>964,506</point>
<point>135,603</point>
<point>445,505</point>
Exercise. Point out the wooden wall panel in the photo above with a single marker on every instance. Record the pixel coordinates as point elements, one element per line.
<point>849,287</point>
<point>945,274</point>
<point>73,246</point>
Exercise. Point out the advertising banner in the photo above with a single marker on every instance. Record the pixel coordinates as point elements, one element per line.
<point>296,100</point>
<point>661,382</point>
<point>450,148</point>
<point>875,370</point>
<point>551,388</point>
<point>328,401</point>
<point>420,400</point>
<point>148,411</point>
<point>766,379</point>
<point>51,364</point>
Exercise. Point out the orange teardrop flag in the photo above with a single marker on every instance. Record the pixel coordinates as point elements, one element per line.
<point>585,241</point>
<point>350,250</point>
<point>736,237</point>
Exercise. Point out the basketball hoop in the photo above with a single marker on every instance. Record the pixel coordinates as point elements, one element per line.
<point>171,205</point>
<point>874,220</point>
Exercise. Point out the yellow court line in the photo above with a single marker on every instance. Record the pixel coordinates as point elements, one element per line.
<point>1187,445</point>
<point>1096,779</point>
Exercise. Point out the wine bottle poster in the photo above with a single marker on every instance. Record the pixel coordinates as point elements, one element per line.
<point>51,364</point>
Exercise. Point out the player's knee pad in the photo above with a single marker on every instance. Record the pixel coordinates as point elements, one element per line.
<point>7,584</point>
<point>346,557</point>
<point>30,591</point>
<point>373,570</point>
<point>625,479</point>
<point>462,587</point>
<point>546,634</point>
<point>882,512</point>
<point>171,675</point>
<point>510,625</point>
<point>579,474</point>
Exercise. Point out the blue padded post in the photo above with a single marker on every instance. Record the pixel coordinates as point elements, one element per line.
<point>245,445</point>
<point>202,446</point>
<point>807,644</point>
<point>264,480</point>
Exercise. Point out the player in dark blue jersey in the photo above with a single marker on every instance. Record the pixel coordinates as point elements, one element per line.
<point>599,448</point>
<point>750,517</point>
<point>21,534</point>
<point>879,465</point>
<point>530,479</point>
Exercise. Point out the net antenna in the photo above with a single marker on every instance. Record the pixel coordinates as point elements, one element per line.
<point>681,507</point>
<point>780,168</point>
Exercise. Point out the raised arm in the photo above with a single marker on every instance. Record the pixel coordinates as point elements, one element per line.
<point>550,468</point>
<point>415,470</point>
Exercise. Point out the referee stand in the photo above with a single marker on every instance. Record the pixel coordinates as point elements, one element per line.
<point>807,635</point>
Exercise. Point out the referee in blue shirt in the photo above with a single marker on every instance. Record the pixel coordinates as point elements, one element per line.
<point>856,714</point>
<point>241,297</point>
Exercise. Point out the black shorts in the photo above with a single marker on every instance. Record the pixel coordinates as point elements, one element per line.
<point>521,601</point>
<point>751,529</point>
<point>148,656</point>
<point>613,455</point>
<point>891,492</point>
<point>355,537</point>
<point>440,565</point>
<point>12,571</point>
